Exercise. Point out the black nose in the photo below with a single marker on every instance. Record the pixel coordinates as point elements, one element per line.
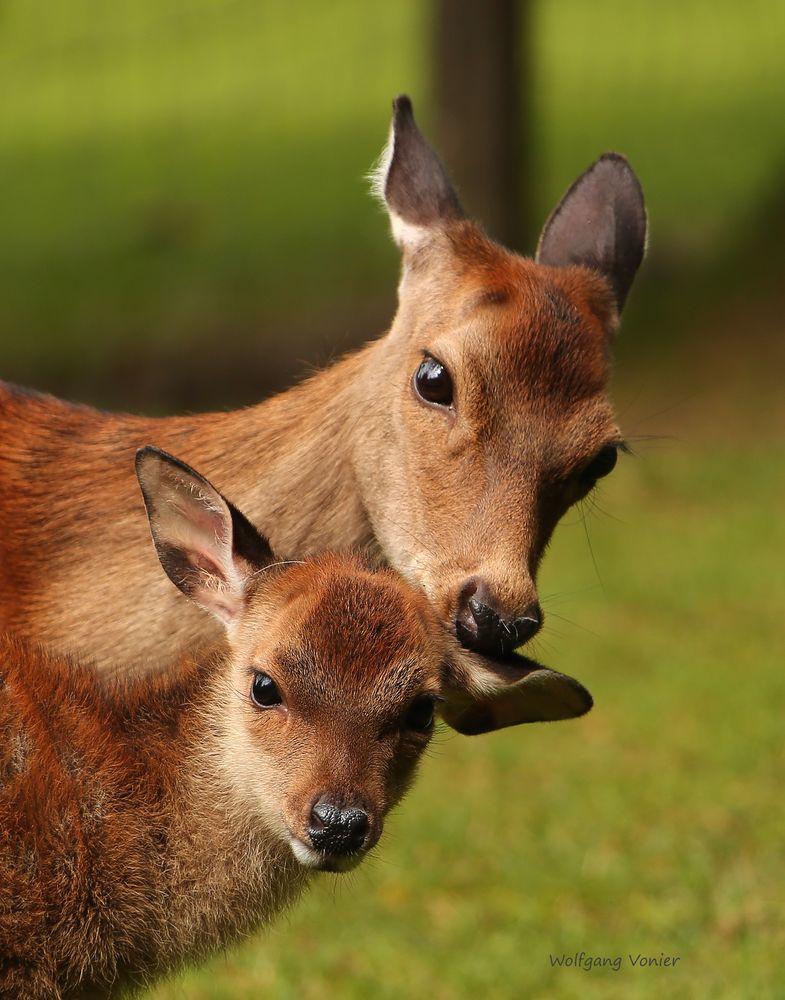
<point>480,627</point>
<point>336,830</point>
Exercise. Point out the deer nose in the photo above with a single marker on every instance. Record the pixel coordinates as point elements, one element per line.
<point>336,830</point>
<point>480,627</point>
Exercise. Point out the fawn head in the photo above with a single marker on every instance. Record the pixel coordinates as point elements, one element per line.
<point>332,674</point>
<point>494,416</point>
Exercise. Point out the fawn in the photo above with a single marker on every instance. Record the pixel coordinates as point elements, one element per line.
<point>448,449</point>
<point>145,820</point>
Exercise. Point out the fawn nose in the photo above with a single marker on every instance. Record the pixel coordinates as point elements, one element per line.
<point>481,627</point>
<point>336,830</point>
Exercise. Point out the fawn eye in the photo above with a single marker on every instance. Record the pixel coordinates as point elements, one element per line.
<point>420,714</point>
<point>264,691</point>
<point>602,464</point>
<point>432,382</point>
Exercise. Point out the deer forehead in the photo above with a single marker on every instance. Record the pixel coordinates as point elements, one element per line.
<point>526,360</point>
<point>339,630</point>
<point>530,365</point>
<point>510,328</point>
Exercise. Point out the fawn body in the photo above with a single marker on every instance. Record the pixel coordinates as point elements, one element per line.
<point>450,447</point>
<point>144,821</point>
<point>116,860</point>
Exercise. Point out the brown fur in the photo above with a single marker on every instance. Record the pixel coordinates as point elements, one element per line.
<point>353,458</point>
<point>349,458</point>
<point>145,821</point>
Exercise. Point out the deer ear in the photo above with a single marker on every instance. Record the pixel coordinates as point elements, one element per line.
<point>480,699</point>
<point>411,181</point>
<point>601,224</point>
<point>207,548</point>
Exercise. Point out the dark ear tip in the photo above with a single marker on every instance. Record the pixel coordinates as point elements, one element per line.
<point>145,455</point>
<point>582,695</point>
<point>149,453</point>
<point>402,110</point>
<point>621,167</point>
<point>613,157</point>
<point>150,456</point>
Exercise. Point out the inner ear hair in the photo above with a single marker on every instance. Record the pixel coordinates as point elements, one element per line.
<point>411,180</point>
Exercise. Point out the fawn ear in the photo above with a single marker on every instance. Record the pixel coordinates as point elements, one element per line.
<point>601,224</point>
<point>411,181</point>
<point>206,546</point>
<point>479,699</point>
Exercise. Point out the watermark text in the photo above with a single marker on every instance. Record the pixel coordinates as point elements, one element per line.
<point>582,960</point>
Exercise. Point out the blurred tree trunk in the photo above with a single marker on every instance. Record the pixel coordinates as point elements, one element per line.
<point>480,89</point>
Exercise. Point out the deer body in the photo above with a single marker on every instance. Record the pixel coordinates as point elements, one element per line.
<point>449,448</point>
<point>287,462</point>
<point>119,857</point>
<point>145,821</point>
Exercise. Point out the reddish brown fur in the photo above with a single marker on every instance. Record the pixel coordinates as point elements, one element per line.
<point>145,821</point>
<point>461,498</point>
<point>349,458</point>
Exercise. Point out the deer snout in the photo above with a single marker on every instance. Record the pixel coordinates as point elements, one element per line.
<point>334,833</point>
<point>335,830</point>
<point>485,627</point>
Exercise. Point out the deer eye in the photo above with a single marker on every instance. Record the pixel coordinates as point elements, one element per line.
<point>419,716</point>
<point>264,691</point>
<point>602,464</point>
<point>432,382</point>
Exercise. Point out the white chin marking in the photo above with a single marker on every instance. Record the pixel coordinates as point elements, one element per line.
<point>316,861</point>
<point>307,856</point>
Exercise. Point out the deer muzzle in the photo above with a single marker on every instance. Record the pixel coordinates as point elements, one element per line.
<point>484,628</point>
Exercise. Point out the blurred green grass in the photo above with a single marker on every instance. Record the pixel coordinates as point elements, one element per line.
<point>173,166</point>
<point>181,173</point>
<point>652,826</point>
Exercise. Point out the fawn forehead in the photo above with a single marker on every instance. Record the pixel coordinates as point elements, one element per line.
<point>349,631</point>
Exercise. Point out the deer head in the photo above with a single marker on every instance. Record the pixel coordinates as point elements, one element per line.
<point>488,398</point>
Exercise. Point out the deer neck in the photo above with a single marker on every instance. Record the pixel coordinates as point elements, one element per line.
<point>297,463</point>
<point>227,874</point>
<point>221,873</point>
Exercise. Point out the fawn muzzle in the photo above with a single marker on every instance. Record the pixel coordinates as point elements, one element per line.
<point>338,831</point>
<point>335,833</point>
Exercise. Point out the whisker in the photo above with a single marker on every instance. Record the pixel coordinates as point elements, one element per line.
<point>282,562</point>
<point>574,624</point>
<point>562,595</point>
<point>414,537</point>
<point>591,550</point>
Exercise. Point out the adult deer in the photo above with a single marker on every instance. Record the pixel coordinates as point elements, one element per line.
<point>451,446</point>
<point>145,822</point>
